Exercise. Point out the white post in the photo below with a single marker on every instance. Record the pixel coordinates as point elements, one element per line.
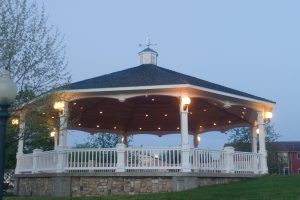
<point>120,157</point>
<point>185,147</point>
<point>229,153</point>
<point>63,133</point>
<point>20,141</point>
<point>61,159</point>
<point>35,160</point>
<point>262,142</point>
<point>55,141</point>
<point>254,139</point>
<point>254,148</point>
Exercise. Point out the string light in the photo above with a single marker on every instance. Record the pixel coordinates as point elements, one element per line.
<point>74,103</point>
<point>79,124</point>
<point>215,124</point>
<point>146,115</point>
<point>101,112</point>
<point>158,128</point>
<point>204,110</point>
<point>115,127</point>
<point>177,127</point>
<point>98,126</point>
<point>140,128</point>
<point>229,122</point>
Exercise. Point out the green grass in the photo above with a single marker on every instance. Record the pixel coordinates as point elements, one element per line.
<point>265,188</point>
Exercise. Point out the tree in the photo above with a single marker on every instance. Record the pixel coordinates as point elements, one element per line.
<point>103,140</point>
<point>34,53</point>
<point>240,138</point>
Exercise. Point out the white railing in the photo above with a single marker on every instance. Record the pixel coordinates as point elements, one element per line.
<point>245,162</point>
<point>25,163</point>
<point>208,160</point>
<point>46,161</point>
<point>121,159</point>
<point>159,158</point>
<point>91,159</point>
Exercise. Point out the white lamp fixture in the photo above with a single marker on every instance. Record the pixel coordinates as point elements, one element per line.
<point>268,115</point>
<point>185,101</point>
<point>198,138</point>
<point>52,134</point>
<point>15,122</point>
<point>257,130</point>
<point>59,105</point>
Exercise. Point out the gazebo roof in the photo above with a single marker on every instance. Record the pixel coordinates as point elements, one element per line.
<point>152,75</point>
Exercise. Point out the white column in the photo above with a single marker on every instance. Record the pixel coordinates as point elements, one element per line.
<point>63,117</point>
<point>185,147</point>
<point>55,140</point>
<point>254,139</point>
<point>121,157</point>
<point>35,160</point>
<point>262,142</point>
<point>229,153</point>
<point>21,140</point>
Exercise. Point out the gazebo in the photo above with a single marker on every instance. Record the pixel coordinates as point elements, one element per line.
<point>149,99</point>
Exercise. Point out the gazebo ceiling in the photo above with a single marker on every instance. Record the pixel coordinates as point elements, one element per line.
<point>154,114</point>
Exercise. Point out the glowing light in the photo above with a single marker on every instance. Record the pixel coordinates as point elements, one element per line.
<point>204,110</point>
<point>243,113</point>
<point>81,108</point>
<point>44,113</point>
<point>229,122</point>
<point>153,99</point>
<point>177,128</point>
<point>186,100</point>
<point>98,126</point>
<point>52,117</point>
<point>74,103</point>
<point>140,128</point>
<point>244,108</point>
<point>101,112</point>
<point>59,105</point>
<point>158,128</point>
<point>215,124</point>
<point>115,127</point>
<point>15,122</point>
<point>79,124</point>
<point>198,138</point>
<point>268,115</point>
<point>166,115</point>
<point>200,126</point>
<point>146,115</point>
<point>257,130</point>
<point>52,134</point>
<point>191,113</point>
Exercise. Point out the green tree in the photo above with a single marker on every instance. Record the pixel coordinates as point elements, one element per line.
<point>240,138</point>
<point>34,53</point>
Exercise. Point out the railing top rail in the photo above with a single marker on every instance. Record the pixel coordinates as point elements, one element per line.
<point>242,152</point>
<point>154,148</point>
<point>92,149</point>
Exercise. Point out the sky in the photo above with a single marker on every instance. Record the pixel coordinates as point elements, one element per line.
<point>252,46</point>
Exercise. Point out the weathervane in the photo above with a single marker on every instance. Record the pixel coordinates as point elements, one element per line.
<point>147,43</point>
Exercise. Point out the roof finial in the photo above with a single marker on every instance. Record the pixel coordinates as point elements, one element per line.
<point>147,43</point>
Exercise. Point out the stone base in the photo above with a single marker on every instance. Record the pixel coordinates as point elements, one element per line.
<point>98,184</point>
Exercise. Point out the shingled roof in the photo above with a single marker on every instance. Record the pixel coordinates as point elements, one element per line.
<point>152,75</point>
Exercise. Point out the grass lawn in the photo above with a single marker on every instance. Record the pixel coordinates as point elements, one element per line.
<point>266,188</point>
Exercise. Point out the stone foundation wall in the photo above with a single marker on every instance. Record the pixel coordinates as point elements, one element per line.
<point>70,185</point>
<point>95,186</point>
